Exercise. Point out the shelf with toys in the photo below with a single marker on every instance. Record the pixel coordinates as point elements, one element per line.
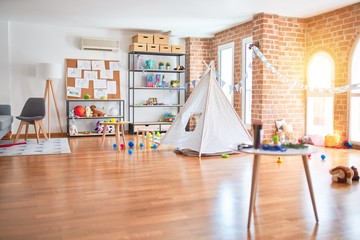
<point>84,116</point>
<point>156,88</point>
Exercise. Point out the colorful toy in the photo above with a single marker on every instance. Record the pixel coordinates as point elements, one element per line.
<point>309,156</point>
<point>131,144</point>
<point>112,120</point>
<point>95,112</point>
<point>87,96</point>
<point>130,151</point>
<point>346,144</point>
<point>323,156</point>
<point>169,117</point>
<point>122,146</point>
<point>79,111</point>
<point>154,146</point>
<point>141,145</point>
<point>114,146</point>
<point>150,81</point>
<point>276,139</point>
<point>225,155</point>
<point>332,140</point>
<point>279,160</point>
<point>344,174</point>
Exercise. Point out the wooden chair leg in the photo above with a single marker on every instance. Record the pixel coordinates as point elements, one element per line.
<point>41,123</point>
<point>19,131</point>
<point>26,131</point>
<point>37,131</point>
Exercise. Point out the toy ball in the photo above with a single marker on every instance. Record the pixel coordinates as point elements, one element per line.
<point>346,144</point>
<point>225,155</point>
<point>130,151</point>
<point>122,146</point>
<point>279,160</point>
<point>79,111</point>
<point>141,145</point>
<point>131,144</point>
<point>323,156</point>
<point>114,146</point>
<point>154,146</point>
<point>309,156</point>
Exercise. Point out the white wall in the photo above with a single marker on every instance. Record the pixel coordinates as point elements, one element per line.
<point>29,44</point>
<point>4,63</point>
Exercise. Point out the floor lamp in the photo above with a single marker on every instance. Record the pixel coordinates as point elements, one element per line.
<point>50,71</point>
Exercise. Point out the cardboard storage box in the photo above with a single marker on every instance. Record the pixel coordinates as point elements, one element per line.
<point>153,48</point>
<point>143,38</point>
<point>161,39</point>
<point>177,49</point>
<point>165,48</point>
<point>138,47</point>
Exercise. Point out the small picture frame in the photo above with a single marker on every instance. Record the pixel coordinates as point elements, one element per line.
<point>280,124</point>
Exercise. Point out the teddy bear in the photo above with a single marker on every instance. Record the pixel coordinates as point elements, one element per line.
<point>344,174</point>
<point>95,112</point>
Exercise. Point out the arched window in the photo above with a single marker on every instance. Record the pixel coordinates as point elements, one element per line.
<point>354,123</point>
<point>320,102</point>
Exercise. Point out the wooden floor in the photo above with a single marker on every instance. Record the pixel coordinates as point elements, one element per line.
<point>96,193</point>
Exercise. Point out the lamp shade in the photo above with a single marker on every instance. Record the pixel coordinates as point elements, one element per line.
<point>49,70</point>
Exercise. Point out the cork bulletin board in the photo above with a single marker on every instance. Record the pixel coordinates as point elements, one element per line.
<point>94,79</point>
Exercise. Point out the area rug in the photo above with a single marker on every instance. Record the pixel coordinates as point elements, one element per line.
<point>50,146</point>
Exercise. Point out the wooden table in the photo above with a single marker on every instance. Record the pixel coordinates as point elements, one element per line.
<point>119,128</point>
<point>255,175</point>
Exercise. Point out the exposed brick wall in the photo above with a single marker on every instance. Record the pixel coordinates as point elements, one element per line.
<point>198,50</point>
<point>288,44</point>
<point>336,33</point>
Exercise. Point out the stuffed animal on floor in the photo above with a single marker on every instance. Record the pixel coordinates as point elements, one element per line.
<point>95,112</point>
<point>344,174</point>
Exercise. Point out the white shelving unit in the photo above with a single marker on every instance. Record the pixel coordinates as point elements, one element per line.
<point>171,98</point>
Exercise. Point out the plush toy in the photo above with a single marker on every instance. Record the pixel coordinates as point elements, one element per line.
<point>99,127</point>
<point>332,140</point>
<point>343,174</point>
<point>95,112</point>
<point>88,111</point>
<point>73,130</point>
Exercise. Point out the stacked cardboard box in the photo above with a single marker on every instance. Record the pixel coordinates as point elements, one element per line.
<point>144,42</point>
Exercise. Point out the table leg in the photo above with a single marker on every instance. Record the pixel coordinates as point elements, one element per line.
<point>254,184</point>
<point>103,136</point>
<point>308,177</point>
<point>117,132</point>
<point>122,133</point>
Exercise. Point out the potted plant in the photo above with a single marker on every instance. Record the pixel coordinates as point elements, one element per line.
<point>161,65</point>
<point>167,66</point>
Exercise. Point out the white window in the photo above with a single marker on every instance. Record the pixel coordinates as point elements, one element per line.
<point>320,104</point>
<point>226,69</point>
<point>247,83</point>
<point>354,123</point>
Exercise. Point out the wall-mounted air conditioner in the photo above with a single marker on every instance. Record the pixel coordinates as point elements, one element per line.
<point>100,44</point>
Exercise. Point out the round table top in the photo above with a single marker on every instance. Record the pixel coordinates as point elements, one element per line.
<point>288,152</point>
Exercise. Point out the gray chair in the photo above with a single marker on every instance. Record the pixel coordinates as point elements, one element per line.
<point>33,113</point>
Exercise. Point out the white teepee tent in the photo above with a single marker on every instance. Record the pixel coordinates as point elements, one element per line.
<point>218,129</point>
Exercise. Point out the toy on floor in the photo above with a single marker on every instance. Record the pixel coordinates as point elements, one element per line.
<point>279,160</point>
<point>122,146</point>
<point>141,145</point>
<point>344,174</point>
<point>225,155</point>
<point>332,140</point>
<point>131,144</point>
<point>323,156</point>
<point>309,156</point>
<point>130,151</point>
<point>346,144</point>
<point>114,146</point>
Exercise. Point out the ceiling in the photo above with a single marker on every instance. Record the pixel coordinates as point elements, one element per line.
<point>186,18</point>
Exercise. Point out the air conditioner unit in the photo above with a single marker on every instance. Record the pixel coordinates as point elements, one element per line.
<point>100,44</point>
